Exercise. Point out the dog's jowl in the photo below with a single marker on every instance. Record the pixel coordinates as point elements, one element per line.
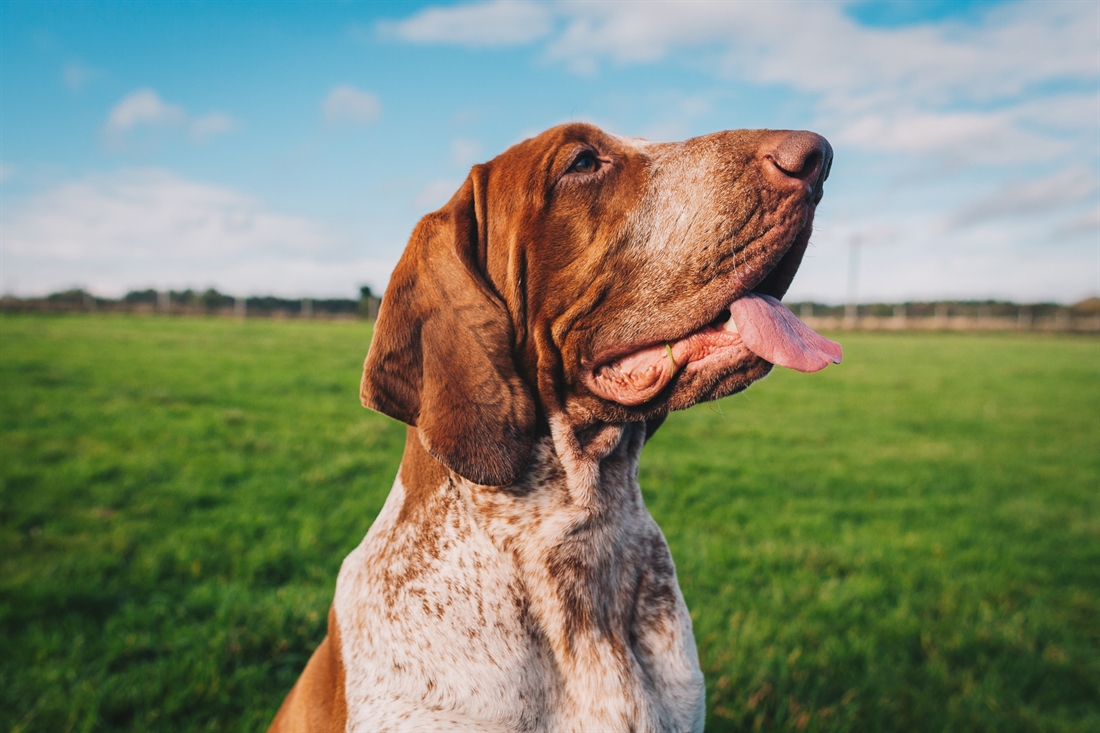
<point>536,331</point>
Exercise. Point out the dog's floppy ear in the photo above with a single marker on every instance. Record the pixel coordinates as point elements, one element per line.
<point>441,358</point>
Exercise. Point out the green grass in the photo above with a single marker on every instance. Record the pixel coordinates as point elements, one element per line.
<point>907,542</point>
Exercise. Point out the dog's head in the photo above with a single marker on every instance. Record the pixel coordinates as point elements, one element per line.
<point>592,279</point>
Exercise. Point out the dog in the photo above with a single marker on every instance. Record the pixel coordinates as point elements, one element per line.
<point>535,333</point>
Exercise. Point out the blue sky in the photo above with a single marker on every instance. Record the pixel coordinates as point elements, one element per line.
<point>289,148</point>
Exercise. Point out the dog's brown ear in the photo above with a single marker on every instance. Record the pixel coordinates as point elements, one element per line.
<point>441,358</point>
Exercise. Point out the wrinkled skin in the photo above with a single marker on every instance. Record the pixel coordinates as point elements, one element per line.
<point>536,331</point>
<point>574,267</point>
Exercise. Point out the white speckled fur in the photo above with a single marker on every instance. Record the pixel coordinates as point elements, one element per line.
<point>506,650</point>
<point>550,604</point>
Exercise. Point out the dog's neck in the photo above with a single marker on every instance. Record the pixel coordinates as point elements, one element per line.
<point>577,533</point>
<point>593,457</point>
<point>566,565</point>
<point>576,473</point>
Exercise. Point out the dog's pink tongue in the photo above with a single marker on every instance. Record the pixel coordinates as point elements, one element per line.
<point>773,333</point>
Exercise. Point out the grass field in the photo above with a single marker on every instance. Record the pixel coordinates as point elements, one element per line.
<point>907,542</point>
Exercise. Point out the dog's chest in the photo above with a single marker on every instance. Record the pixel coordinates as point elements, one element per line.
<point>485,617</point>
<point>433,627</point>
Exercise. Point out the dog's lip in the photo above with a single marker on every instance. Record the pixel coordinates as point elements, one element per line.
<point>764,330</point>
<point>615,354</point>
<point>741,284</point>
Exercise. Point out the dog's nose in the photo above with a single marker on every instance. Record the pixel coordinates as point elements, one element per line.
<point>806,156</point>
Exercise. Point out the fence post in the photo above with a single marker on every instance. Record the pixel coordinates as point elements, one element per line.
<point>899,316</point>
<point>943,315</point>
<point>307,308</point>
<point>851,315</point>
<point>240,307</point>
<point>1062,320</point>
<point>851,309</point>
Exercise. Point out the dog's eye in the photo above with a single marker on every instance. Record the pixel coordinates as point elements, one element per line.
<point>586,162</point>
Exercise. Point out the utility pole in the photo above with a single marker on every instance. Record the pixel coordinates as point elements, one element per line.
<point>851,312</point>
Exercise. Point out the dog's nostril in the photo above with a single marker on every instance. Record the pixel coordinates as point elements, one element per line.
<point>803,155</point>
<point>808,168</point>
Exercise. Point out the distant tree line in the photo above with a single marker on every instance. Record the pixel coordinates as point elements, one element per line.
<point>948,308</point>
<point>213,302</point>
<point>207,302</point>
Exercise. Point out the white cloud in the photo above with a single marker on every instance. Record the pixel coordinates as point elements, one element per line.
<point>346,105</point>
<point>77,75</point>
<point>144,108</point>
<point>647,31</point>
<point>493,23</point>
<point>1063,112</point>
<point>1013,259</point>
<point>949,89</point>
<point>209,126</point>
<point>1087,223</point>
<point>958,138</point>
<point>150,213</point>
<point>816,47</point>
<point>960,92</point>
<point>141,228</point>
<point>1021,198</point>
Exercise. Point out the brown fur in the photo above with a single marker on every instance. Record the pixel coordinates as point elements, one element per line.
<point>525,276</point>
<point>316,703</point>
<point>517,527</point>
